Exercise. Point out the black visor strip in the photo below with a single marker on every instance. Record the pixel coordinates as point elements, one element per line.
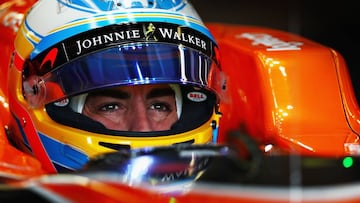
<point>113,35</point>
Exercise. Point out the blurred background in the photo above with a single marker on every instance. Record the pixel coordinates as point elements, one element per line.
<point>332,23</point>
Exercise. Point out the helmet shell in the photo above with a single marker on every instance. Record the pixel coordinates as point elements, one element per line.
<point>42,52</point>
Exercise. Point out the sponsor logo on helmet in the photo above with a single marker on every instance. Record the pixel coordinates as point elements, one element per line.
<point>196,96</point>
<point>116,35</point>
<point>148,33</point>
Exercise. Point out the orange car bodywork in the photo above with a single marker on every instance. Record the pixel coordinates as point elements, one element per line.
<point>287,91</point>
<point>70,188</point>
<point>13,163</point>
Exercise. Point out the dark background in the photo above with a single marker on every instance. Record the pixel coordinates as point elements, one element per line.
<point>332,23</point>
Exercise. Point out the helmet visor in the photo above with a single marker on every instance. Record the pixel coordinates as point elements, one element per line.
<point>130,64</point>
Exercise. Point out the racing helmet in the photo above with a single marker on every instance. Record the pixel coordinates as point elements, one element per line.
<point>68,50</point>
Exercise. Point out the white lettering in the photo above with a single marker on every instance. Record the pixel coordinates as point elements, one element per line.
<point>273,43</point>
<point>96,40</point>
<point>136,34</point>
<point>197,42</point>
<point>119,36</point>
<point>79,47</point>
<point>166,33</point>
<point>183,37</point>
<point>191,39</point>
<point>106,38</point>
<point>86,44</point>
<point>176,36</point>
<point>203,44</point>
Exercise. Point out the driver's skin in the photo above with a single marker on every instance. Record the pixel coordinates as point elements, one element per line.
<point>140,108</point>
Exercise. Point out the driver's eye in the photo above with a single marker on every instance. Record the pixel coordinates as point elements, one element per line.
<point>109,107</point>
<point>161,107</point>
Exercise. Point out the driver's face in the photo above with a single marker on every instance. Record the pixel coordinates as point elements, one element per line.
<point>140,108</point>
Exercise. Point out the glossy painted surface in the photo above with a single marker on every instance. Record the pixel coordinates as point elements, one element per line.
<point>286,90</point>
<point>13,163</point>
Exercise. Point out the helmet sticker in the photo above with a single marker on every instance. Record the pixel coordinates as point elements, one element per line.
<point>197,96</point>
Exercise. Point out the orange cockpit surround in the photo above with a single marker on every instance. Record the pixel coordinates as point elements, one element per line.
<point>11,16</point>
<point>287,91</point>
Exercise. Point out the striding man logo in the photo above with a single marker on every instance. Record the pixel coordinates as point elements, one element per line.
<point>150,33</point>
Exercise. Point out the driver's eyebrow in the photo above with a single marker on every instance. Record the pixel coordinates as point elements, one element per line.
<point>160,92</point>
